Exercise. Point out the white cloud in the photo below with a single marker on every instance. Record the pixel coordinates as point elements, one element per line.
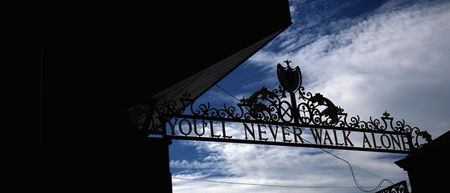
<point>286,166</point>
<point>189,165</point>
<point>396,61</point>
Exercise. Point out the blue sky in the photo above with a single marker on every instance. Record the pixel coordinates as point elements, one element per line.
<point>367,57</point>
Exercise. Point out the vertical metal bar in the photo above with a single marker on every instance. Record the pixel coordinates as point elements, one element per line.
<point>411,145</point>
<point>294,111</point>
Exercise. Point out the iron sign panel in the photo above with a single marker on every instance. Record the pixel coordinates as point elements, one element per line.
<point>287,116</point>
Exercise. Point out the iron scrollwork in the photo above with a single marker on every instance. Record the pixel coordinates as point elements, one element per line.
<point>299,107</point>
<point>400,187</point>
<point>153,115</point>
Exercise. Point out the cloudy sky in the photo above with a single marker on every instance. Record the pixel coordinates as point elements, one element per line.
<point>367,57</point>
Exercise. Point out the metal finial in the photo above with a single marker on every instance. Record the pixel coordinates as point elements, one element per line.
<point>287,62</point>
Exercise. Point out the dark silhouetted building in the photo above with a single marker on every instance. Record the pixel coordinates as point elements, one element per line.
<point>115,56</point>
<point>428,167</point>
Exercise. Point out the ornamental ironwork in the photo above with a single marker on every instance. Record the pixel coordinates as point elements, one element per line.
<point>287,116</point>
<point>400,187</point>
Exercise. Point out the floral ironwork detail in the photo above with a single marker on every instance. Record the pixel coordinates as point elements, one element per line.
<point>400,187</point>
<point>301,108</point>
<point>153,115</point>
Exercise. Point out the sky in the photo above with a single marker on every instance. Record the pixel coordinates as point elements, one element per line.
<point>368,57</point>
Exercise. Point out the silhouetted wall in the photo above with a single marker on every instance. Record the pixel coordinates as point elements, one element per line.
<point>429,167</point>
<point>114,56</point>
